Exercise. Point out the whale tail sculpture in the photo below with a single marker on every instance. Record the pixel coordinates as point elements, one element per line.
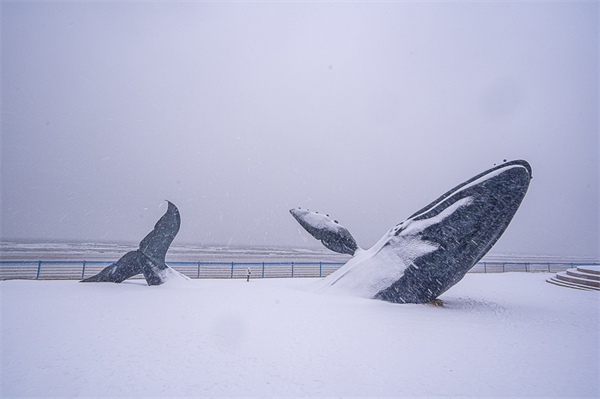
<point>149,259</point>
<point>423,256</point>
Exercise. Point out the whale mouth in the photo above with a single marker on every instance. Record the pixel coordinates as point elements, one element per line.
<point>480,178</point>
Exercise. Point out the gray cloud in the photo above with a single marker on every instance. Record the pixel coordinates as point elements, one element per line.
<point>237,112</point>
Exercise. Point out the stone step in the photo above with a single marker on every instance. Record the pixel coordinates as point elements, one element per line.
<point>563,276</point>
<point>553,280</point>
<point>580,274</point>
<point>590,269</point>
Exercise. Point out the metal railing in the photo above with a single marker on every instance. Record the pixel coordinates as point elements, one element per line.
<point>550,267</point>
<point>78,270</point>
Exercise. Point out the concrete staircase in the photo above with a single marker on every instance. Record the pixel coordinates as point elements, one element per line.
<point>582,278</point>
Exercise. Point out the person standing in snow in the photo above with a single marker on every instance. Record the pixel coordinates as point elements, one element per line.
<point>248,273</point>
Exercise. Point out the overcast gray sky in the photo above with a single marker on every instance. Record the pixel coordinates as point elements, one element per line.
<point>239,111</point>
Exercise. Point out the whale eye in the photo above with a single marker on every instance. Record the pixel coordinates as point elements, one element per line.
<point>335,221</point>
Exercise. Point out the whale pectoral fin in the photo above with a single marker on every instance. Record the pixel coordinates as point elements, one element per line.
<point>331,234</point>
<point>460,227</point>
<point>157,242</point>
<point>128,266</point>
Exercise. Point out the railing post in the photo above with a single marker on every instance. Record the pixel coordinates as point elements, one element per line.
<point>38,272</point>
<point>198,269</point>
<point>263,270</point>
<point>231,269</point>
<point>83,270</point>
<point>320,269</point>
<point>292,269</point>
<point>503,263</point>
<point>485,267</point>
<point>548,267</point>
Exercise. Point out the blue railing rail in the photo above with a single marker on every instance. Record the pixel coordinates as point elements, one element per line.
<point>54,262</point>
<point>214,269</point>
<point>65,269</point>
<point>532,266</point>
<point>261,265</point>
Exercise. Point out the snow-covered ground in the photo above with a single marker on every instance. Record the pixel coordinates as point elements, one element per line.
<point>508,334</point>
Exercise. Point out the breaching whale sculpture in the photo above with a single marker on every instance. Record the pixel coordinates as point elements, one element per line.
<point>149,259</point>
<point>423,256</point>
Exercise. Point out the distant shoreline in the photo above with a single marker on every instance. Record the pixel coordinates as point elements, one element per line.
<point>177,253</point>
<point>72,250</point>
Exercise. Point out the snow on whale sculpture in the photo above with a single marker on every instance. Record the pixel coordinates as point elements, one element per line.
<point>149,259</point>
<point>423,256</point>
